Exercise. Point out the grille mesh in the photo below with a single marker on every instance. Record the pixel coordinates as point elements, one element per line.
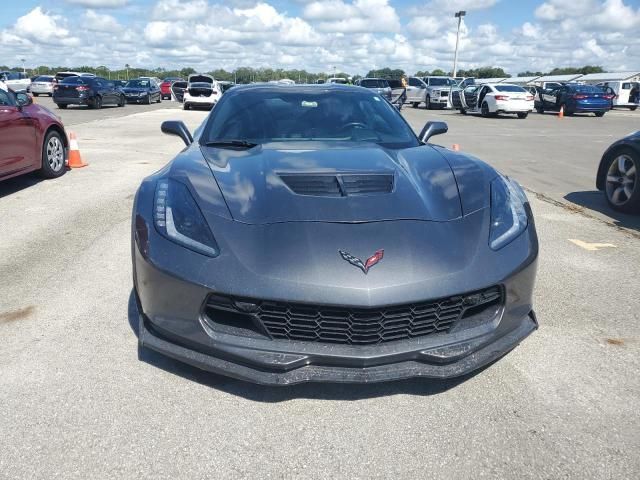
<point>339,185</point>
<point>352,326</point>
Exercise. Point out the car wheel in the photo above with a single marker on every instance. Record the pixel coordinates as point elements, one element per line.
<point>122,102</point>
<point>463,111</point>
<point>428,102</point>
<point>523,115</point>
<point>415,104</point>
<point>539,109</point>
<point>186,106</point>
<point>147,101</point>
<point>485,109</point>
<point>52,155</point>
<point>62,105</point>
<point>599,114</point>
<point>159,98</point>
<point>97,103</point>
<point>621,184</point>
<point>36,94</point>
<point>633,108</point>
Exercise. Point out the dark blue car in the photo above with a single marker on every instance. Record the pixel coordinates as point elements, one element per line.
<point>142,90</point>
<point>573,98</point>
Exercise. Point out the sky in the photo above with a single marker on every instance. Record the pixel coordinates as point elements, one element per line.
<point>353,36</point>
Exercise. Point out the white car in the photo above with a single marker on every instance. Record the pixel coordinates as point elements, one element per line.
<point>16,81</point>
<point>493,99</point>
<point>42,85</point>
<point>202,91</point>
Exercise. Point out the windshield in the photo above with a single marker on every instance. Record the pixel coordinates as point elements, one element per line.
<point>510,88</point>
<point>73,81</point>
<point>374,83</point>
<point>137,83</point>
<point>585,89</point>
<point>262,116</point>
<point>441,82</point>
<point>44,78</point>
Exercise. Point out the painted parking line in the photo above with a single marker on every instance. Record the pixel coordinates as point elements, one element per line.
<point>592,247</point>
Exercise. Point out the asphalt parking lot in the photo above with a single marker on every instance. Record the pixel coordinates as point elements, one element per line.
<point>80,401</point>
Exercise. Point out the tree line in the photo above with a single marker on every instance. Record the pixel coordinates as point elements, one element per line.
<point>249,74</point>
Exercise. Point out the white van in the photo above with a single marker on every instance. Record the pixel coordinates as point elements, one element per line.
<point>622,90</point>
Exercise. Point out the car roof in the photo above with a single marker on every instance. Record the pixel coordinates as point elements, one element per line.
<point>298,88</point>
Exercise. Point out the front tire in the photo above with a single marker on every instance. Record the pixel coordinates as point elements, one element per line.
<point>147,101</point>
<point>622,188</point>
<point>463,111</point>
<point>415,104</point>
<point>62,105</point>
<point>633,108</point>
<point>523,115</point>
<point>52,156</point>
<point>122,102</point>
<point>186,106</point>
<point>485,109</point>
<point>599,114</point>
<point>428,102</point>
<point>36,94</point>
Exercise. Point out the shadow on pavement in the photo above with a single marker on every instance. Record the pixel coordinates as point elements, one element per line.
<point>16,184</point>
<point>595,200</point>
<point>267,394</point>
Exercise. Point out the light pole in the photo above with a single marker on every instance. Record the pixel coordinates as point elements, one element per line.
<point>23,69</point>
<point>459,16</point>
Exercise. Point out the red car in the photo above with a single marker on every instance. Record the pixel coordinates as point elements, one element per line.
<point>31,138</point>
<point>165,87</point>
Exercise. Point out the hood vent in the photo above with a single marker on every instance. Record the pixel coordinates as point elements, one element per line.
<point>339,185</point>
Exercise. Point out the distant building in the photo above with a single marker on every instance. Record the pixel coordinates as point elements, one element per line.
<point>611,77</point>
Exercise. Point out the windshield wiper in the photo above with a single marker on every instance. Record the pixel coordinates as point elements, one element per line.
<point>231,143</point>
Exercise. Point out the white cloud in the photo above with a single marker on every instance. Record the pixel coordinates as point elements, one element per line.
<point>99,3</point>
<point>359,16</point>
<point>180,10</point>
<point>99,22</point>
<point>42,27</point>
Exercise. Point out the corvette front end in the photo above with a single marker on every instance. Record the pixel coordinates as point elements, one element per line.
<point>286,262</point>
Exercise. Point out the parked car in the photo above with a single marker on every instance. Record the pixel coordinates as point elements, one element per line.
<point>32,137</point>
<point>625,94</point>
<point>419,268</point>
<point>338,80</point>
<point>573,98</point>
<point>94,92</point>
<point>142,90</point>
<point>202,92</point>
<point>178,88</point>
<point>165,87</point>
<point>224,85</point>
<point>433,91</point>
<point>62,75</point>
<point>43,85</point>
<point>378,85</point>
<point>618,174</point>
<point>16,81</point>
<point>493,99</point>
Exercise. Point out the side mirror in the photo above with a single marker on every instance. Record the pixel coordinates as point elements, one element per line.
<point>432,128</point>
<point>178,128</point>
<point>23,99</point>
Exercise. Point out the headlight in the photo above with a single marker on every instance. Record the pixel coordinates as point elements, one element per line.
<point>142,94</point>
<point>508,214</point>
<point>178,218</point>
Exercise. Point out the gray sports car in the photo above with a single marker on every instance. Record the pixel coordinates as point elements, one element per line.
<point>307,234</point>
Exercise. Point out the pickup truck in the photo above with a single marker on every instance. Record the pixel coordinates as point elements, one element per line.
<point>16,81</point>
<point>433,91</point>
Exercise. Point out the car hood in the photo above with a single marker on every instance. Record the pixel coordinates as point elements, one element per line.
<point>285,182</point>
<point>134,90</point>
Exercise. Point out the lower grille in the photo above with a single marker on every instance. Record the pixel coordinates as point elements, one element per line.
<point>349,326</point>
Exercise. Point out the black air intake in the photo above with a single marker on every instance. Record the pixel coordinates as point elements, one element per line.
<point>339,185</point>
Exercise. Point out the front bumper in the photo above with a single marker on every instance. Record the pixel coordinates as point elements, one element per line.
<point>136,98</point>
<point>172,321</point>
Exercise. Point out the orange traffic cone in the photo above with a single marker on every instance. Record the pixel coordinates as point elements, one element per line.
<point>561,114</point>
<point>455,147</point>
<point>75,160</point>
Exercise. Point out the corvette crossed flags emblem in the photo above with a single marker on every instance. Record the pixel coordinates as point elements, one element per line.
<point>364,266</point>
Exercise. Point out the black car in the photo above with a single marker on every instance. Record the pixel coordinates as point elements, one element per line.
<point>142,90</point>
<point>573,98</point>
<point>91,91</point>
<point>308,234</point>
<point>618,174</point>
<point>178,88</point>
